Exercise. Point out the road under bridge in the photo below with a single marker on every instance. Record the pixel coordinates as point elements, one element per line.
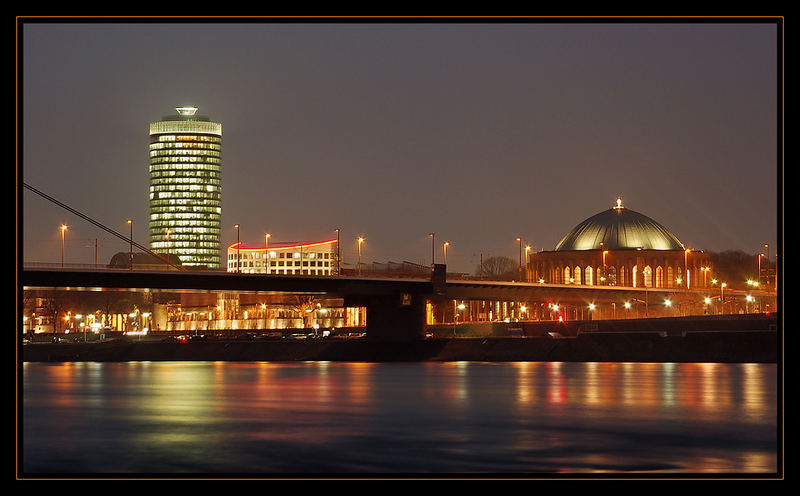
<point>396,307</point>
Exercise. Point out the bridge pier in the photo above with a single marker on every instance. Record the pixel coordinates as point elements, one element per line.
<point>394,317</point>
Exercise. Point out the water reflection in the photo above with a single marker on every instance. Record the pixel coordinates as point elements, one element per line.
<point>320,417</point>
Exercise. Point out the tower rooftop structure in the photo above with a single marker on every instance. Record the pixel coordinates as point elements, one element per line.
<point>186,188</point>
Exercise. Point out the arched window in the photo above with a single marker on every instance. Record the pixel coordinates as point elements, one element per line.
<point>589,276</point>
<point>659,277</point>
<point>648,276</point>
<point>670,277</point>
<point>577,275</point>
<point>566,275</point>
<point>622,275</point>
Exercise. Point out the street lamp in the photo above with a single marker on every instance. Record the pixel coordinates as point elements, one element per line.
<point>130,221</point>
<point>266,252</point>
<point>63,228</point>
<point>705,275</point>
<point>360,242</point>
<point>338,255</point>
<point>169,231</point>
<point>444,246</point>
<point>238,254</point>
<point>519,240</point>
<point>433,250</point>
<point>527,273</point>
<point>686,265</point>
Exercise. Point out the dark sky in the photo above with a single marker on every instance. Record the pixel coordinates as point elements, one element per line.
<point>479,132</point>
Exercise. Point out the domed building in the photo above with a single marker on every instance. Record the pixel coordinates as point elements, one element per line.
<point>621,247</point>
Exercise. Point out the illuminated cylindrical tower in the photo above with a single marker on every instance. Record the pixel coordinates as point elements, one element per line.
<point>186,188</point>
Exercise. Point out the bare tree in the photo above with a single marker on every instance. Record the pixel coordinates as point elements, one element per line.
<point>498,268</point>
<point>304,307</point>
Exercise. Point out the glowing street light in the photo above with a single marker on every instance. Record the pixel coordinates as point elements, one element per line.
<point>238,254</point>
<point>63,228</point>
<point>433,249</point>
<point>130,221</point>
<point>705,274</point>
<point>338,254</point>
<point>527,273</point>
<point>360,240</point>
<point>444,246</point>
<point>166,235</point>
<point>686,265</point>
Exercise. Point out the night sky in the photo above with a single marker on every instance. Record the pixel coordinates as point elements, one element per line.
<point>478,131</point>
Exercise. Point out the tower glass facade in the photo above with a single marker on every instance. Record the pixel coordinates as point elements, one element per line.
<point>186,188</point>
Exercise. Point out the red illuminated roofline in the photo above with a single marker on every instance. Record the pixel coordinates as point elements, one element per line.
<point>279,248</point>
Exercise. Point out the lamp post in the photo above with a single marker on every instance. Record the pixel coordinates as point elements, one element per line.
<point>527,272</point>
<point>360,242</point>
<point>433,250</point>
<point>705,275</point>
<point>169,231</point>
<point>722,297</point>
<point>519,240</point>
<point>63,228</point>
<point>130,221</point>
<point>686,265</point>
<point>238,255</point>
<point>338,255</point>
<point>266,252</point>
<point>444,246</point>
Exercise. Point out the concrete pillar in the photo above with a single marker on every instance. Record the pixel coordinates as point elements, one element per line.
<point>396,317</point>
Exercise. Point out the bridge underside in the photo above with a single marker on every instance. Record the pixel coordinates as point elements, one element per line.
<point>396,309</point>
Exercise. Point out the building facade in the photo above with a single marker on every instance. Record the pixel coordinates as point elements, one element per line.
<point>186,188</point>
<point>621,247</point>
<point>318,258</point>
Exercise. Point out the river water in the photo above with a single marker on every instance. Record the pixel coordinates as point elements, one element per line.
<point>362,419</point>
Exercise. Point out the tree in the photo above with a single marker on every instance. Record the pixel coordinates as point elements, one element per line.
<point>736,267</point>
<point>303,306</point>
<point>499,269</point>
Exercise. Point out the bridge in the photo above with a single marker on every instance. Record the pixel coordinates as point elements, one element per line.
<point>396,307</point>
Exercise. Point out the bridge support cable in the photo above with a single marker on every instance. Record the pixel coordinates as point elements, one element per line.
<point>127,239</point>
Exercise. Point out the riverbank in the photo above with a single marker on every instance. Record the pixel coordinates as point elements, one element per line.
<point>719,346</point>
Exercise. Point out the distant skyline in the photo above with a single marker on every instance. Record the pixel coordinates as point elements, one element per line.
<point>480,132</point>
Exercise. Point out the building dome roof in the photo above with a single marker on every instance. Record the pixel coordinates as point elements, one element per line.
<point>619,228</point>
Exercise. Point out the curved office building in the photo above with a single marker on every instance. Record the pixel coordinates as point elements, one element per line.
<point>186,188</point>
